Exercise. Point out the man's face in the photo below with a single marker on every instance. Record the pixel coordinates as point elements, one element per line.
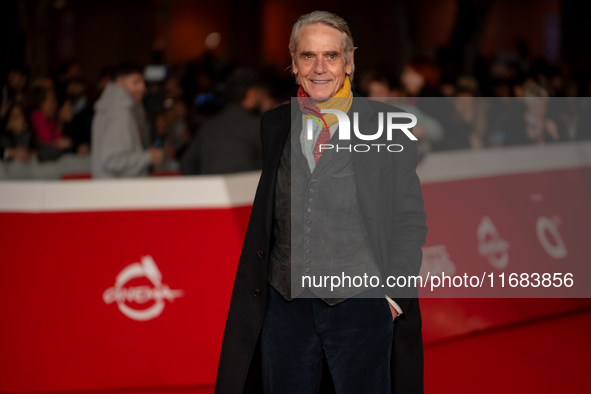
<point>134,84</point>
<point>319,62</point>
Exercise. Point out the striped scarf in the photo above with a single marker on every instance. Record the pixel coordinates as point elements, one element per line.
<point>342,101</point>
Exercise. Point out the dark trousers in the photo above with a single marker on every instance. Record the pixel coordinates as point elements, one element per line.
<point>355,336</point>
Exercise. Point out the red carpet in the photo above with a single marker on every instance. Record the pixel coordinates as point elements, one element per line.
<point>544,356</point>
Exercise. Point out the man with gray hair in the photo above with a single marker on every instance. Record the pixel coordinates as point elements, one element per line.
<point>316,211</point>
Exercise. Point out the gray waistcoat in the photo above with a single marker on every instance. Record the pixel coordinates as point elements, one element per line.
<point>318,229</point>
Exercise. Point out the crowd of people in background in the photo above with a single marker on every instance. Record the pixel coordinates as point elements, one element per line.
<point>201,118</point>
<point>518,105</point>
<point>179,118</point>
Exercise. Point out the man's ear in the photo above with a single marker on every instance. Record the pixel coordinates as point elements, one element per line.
<point>349,67</point>
<point>294,67</point>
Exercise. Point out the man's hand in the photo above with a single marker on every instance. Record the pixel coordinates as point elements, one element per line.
<point>394,313</point>
<point>157,155</point>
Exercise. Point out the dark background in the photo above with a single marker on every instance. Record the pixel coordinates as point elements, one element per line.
<point>42,34</point>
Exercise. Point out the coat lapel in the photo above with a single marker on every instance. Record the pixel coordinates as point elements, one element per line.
<point>277,138</point>
<point>366,164</point>
<point>296,143</point>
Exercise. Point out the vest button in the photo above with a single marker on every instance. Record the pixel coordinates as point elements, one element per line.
<point>307,269</point>
<point>260,254</point>
<point>256,292</point>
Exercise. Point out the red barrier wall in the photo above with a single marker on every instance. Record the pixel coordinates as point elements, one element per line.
<point>120,297</point>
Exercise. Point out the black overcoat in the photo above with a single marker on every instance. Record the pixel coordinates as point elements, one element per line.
<point>391,201</point>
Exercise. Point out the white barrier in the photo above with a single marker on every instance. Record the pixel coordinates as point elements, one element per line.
<point>239,189</point>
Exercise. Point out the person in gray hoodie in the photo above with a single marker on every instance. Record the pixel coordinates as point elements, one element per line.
<point>118,148</point>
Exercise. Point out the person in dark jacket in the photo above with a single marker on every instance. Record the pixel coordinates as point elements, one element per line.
<point>318,210</point>
<point>229,141</point>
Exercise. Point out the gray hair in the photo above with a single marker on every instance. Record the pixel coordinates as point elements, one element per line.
<point>329,19</point>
